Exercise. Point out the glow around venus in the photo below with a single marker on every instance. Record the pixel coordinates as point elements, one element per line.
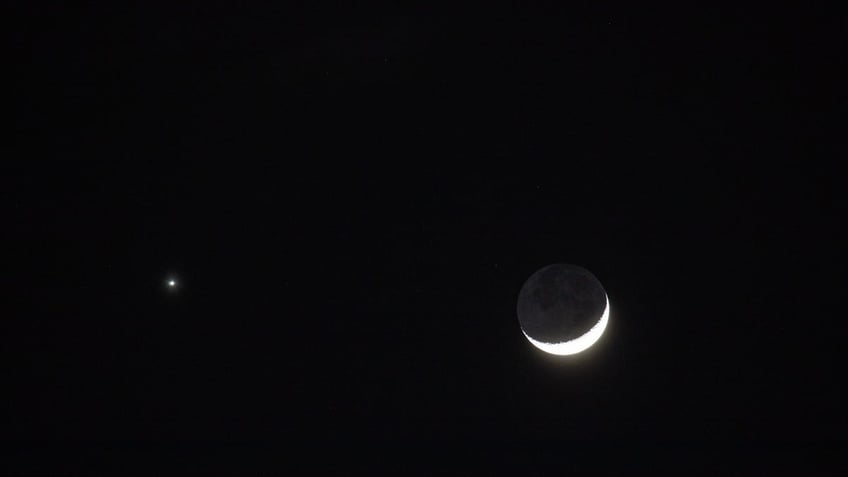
<point>578,344</point>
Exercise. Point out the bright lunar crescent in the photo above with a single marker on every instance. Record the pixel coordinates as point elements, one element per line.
<point>563,309</point>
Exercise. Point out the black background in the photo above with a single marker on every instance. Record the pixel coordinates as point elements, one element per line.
<point>351,198</point>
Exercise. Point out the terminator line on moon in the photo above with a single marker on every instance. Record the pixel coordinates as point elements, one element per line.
<point>562,309</point>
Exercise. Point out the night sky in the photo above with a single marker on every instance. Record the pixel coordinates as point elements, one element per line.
<point>350,199</point>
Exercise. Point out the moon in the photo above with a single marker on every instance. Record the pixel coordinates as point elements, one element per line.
<point>563,309</point>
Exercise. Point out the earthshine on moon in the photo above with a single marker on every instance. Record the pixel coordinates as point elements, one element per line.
<point>562,309</point>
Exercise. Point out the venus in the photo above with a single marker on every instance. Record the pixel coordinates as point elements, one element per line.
<point>563,309</point>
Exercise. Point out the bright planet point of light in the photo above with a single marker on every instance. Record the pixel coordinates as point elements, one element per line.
<point>172,283</point>
<point>578,344</point>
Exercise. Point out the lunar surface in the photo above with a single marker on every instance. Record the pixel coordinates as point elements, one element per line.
<point>563,309</point>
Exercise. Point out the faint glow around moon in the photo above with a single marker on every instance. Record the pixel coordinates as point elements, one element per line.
<point>577,344</point>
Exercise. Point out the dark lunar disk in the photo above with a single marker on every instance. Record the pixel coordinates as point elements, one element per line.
<point>560,302</point>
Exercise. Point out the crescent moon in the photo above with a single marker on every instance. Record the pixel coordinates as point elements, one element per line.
<point>578,344</point>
